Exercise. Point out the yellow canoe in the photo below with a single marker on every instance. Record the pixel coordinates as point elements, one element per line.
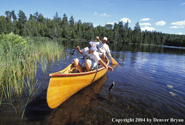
<point>65,83</point>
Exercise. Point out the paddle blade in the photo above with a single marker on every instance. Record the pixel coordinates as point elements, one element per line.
<point>113,61</point>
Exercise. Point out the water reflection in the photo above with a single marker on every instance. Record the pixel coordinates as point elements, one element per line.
<point>147,48</point>
<point>119,47</point>
<point>38,108</point>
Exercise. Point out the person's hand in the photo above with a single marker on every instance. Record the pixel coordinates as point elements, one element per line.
<point>110,68</point>
<point>97,37</point>
<point>77,48</point>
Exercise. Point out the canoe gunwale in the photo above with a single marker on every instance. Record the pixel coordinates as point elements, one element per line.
<point>75,74</point>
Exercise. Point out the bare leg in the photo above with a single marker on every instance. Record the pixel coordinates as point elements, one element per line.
<point>87,65</point>
<point>77,64</point>
<point>103,56</point>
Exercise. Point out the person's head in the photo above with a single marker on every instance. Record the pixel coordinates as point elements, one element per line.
<point>105,39</point>
<point>92,47</point>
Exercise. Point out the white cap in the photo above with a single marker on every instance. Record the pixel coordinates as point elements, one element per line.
<point>105,38</point>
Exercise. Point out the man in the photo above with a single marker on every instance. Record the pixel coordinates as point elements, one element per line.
<point>91,58</point>
<point>103,47</point>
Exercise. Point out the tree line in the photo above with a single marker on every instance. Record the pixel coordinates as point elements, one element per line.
<point>38,26</point>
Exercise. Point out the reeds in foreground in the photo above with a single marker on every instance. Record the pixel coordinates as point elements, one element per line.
<point>19,63</point>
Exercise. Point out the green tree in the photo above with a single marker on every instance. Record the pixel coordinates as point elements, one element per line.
<point>13,16</point>
<point>108,26</point>
<point>8,16</point>
<point>71,22</point>
<point>40,18</point>
<point>33,29</point>
<point>137,33</point>
<point>129,35</point>
<point>3,28</point>
<point>121,31</point>
<point>79,28</point>
<point>125,34</point>
<point>21,22</point>
<point>38,26</point>
<point>116,32</point>
<point>65,23</point>
<point>35,17</point>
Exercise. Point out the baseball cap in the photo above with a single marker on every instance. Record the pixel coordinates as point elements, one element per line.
<point>105,38</point>
<point>92,46</point>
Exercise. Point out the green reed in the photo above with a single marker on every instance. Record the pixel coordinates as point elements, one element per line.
<point>19,66</point>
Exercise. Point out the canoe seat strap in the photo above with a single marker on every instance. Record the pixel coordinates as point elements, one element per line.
<point>95,75</point>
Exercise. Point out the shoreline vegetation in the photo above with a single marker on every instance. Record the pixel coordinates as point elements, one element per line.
<point>19,58</point>
<point>36,25</point>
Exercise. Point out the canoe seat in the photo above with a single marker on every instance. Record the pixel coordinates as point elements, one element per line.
<point>84,69</point>
<point>75,71</point>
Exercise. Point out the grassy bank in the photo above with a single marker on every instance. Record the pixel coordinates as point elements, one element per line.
<point>19,61</point>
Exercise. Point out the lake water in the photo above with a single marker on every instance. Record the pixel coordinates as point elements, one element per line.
<point>149,88</point>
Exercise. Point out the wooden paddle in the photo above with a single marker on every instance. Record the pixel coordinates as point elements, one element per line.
<point>112,59</point>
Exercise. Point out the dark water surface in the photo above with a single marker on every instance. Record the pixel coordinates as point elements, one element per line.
<point>149,88</point>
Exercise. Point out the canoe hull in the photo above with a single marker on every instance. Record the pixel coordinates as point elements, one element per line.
<point>62,88</point>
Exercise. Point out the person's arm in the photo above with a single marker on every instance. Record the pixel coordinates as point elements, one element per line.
<point>97,57</point>
<point>78,49</point>
<point>108,50</point>
<point>97,38</point>
<point>109,54</point>
<point>106,66</point>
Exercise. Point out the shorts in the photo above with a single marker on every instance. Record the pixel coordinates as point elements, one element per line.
<point>92,63</point>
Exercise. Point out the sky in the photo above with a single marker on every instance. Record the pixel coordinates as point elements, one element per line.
<point>166,16</point>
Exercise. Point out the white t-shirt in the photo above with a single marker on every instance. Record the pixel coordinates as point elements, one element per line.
<point>93,56</point>
<point>101,48</point>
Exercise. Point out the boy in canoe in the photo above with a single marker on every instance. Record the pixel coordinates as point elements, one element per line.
<point>102,46</point>
<point>90,59</point>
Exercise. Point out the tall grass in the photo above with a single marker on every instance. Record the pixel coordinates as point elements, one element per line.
<point>19,66</point>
